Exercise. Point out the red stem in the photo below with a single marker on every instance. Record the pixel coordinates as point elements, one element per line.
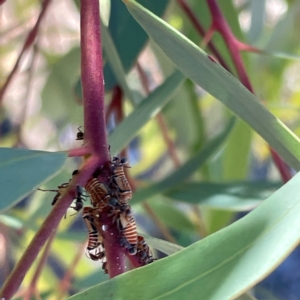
<point>160,120</point>
<point>49,226</point>
<point>65,283</point>
<point>220,24</point>
<point>198,26</point>
<point>115,254</point>
<point>92,79</point>
<point>94,118</point>
<point>28,42</point>
<point>235,46</point>
<point>83,151</point>
<point>32,289</point>
<point>282,167</point>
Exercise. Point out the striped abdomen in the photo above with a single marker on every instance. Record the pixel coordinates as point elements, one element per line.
<point>98,193</point>
<point>128,228</point>
<point>121,181</point>
<point>95,247</point>
<point>95,238</point>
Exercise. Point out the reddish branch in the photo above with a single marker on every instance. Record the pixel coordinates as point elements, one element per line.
<point>160,120</point>
<point>117,100</point>
<point>198,26</point>
<point>32,289</point>
<point>220,24</point>
<point>28,42</point>
<point>93,80</point>
<point>282,167</point>
<point>113,104</point>
<point>65,283</point>
<point>29,87</point>
<point>48,227</point>
<point>235,47</point>
<point>94,118</point>
<point>96,150</point>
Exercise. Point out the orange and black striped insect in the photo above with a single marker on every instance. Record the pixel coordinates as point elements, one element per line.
<point>95,238</point>
<point>98,192</point>
<point>127,227</point>
<point>95,247</point>
<point>120,181</point>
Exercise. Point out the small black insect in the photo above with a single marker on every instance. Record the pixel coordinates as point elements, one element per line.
<point>79,198</point>
<point>80,134</point>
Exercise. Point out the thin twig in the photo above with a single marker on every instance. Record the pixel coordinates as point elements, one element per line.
<point>200,224</point>
<point>198,26</point>
<point>27,94</point>
<point>219,24</point>
<point>82,151</point>
<point>161,226</point>
<point>28,42</point>
<point>48,227</point>
<point>172,152</point>
<point>32,289</point>
<point>160,120</point>
<point>65,283</point>
<point>282,167</point>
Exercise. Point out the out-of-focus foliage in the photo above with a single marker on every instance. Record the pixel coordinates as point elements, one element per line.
<point>224,170</point>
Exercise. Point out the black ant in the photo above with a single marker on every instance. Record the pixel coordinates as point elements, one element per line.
<point>80,134</point>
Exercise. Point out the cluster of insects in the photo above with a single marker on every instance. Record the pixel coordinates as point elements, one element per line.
<point>110,198</point>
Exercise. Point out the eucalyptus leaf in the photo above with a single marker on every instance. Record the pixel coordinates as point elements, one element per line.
<point>58,99</point>
<point>246,296</point>
<point>22,171</point>
<point>129,38</point>
<point>187,169</point>
<point>223,265</point>
<point>115,62</point>
<point>258,8</point>
<point>145,111</point>
<point>235,196</point>
<point>204,71</point>
<point>163,246</point>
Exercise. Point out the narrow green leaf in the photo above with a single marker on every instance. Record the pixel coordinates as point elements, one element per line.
<point>216,219</point>
<point>22,171</point>
<point>115,62</point>
<point>282,55</point>
<point>234,156</point>
<point>258,8</point>
<point>90,280</point>
<point>198,66</point>
<point>144,112</point>
<point>223,265</point>
<point>236,196</point>
<point>129,38</point>
<point>11,222</point>
<point>246,296</point>
<point>58,100</point>
<point>163,246</point>
<point>171,215</point>
<point>186,169</point>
